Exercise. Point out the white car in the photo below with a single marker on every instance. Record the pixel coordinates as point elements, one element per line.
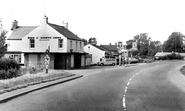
<point>108,61</point>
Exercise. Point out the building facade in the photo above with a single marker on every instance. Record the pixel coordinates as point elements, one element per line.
<point>28,44</point>
<point>95,51</point>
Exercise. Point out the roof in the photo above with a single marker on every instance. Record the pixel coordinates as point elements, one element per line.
<point>99,47</point>
<point>159,54</point>
<point>20,32</point>
<point>110,47</point>
<point>67,33</point>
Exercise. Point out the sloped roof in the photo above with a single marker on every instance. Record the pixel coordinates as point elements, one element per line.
<point>20,32</point>
<point>110,47</point>
<point>67,33</point>
<point>159,54</point>
<point>99,47</point>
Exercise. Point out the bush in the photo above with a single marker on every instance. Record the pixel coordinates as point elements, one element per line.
<point>6,64</point>
<point>171,57</point>
<point>33,70</point>
<point>9,68</point>
<point>9,73</point>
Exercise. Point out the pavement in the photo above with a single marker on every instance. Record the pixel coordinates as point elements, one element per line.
<point>16,93</point>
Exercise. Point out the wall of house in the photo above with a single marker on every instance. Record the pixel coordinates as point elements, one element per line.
<point>37,60</point>
<point>95,52</point>
<point>12,45</point>
<point>74,47</point>
<point>41,42</point>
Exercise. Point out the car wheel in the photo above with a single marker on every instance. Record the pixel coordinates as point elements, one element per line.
<point>113,64</point>
<point>101,64</point>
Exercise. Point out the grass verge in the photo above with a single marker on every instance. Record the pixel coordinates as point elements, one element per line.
<point>31,79</point>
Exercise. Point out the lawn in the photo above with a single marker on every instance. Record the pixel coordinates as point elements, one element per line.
<point>31,79</point>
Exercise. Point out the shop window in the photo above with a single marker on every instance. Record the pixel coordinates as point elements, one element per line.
<point>60,43</point>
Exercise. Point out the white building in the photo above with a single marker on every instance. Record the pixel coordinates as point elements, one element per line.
<point>96,51</point>
<point>27,45</point>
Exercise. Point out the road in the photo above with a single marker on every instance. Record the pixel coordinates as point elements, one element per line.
<point>148,87</point>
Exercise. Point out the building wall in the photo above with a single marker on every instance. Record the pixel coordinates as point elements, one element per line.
<point>95,52</point>
<point>14,45</point>
<point>74,47</point>
<point>41,42</point>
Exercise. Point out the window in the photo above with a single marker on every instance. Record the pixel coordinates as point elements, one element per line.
<point>60,43</point>
<point>76,45</point>
<point>32,43</point>
<point>71,44</point>
<point>80,45</point>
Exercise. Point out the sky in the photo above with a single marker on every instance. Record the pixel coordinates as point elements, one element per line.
<point>109,21</point>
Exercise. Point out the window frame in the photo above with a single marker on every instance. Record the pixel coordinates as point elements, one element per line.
<point>60,43</point>
<point>32,45</point>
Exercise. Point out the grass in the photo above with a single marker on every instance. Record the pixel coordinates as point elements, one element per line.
<point>31,79</point>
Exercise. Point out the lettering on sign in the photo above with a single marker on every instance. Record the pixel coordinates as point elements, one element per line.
<point>44,38</point>
<point>30,37</point>
<point>56,37</point>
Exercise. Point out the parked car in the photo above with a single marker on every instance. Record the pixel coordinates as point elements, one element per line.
<point>148,60</point>
<point>107,61</point>
<point>133,60</point>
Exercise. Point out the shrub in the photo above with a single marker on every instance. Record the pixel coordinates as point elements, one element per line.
<point>33,70</point>
<point>9,68</point>
<point>6,63</point>
<point>10,73</point>
<point>171,57</point>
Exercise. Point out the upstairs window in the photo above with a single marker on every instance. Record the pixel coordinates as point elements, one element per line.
<point>76,45</point>
<point>32,43</point>
<point>80,45</point>
<point>60,43</point>
<point>71,43</point>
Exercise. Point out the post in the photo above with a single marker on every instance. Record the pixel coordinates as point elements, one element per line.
<point>47,60</point>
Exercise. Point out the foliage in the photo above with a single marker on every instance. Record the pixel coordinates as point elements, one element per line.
<point>7,63</point>
<point>145,45</point>
<point>92,41</point>
<point>171,57</point>
<point>3,45</point>
<point>85,41</point>
<point>9,68</point>
<point>33,70</point>
<point>174,43</point>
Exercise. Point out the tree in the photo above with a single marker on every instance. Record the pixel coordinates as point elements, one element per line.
<point>174,43</point>
<point>3,45</point>
<point>145,45</point>
<point>92,41</point>
<point>85,41</point>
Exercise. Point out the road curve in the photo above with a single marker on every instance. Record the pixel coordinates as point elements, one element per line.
<point>152,88</point>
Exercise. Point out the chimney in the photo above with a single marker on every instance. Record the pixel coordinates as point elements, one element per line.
<point>45,19</point>
<point>14,25</point>
<point>116,44</point>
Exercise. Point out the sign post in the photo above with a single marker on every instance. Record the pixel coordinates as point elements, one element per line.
<point>47,60</point>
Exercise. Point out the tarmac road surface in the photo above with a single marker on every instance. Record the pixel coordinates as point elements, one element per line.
<point>154,86</point>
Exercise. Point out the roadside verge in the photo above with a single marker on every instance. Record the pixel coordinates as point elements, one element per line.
<point>36,86</point>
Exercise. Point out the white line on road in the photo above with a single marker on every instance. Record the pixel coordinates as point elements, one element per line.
<point>128,83</point>
<point>125,89</point>
<point>124,104</point>
<point>130,79</point>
